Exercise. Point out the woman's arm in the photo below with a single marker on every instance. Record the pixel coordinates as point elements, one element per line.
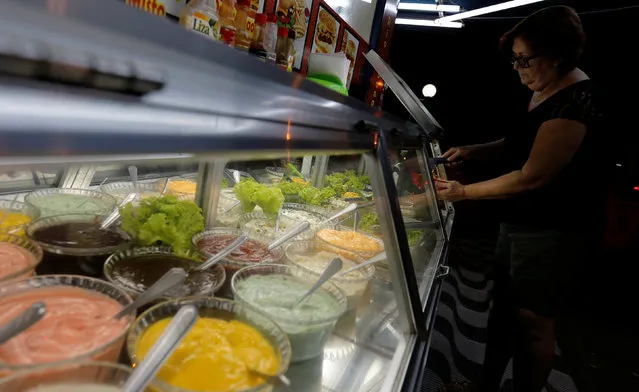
<point>475,151</point>
<point>556,143</point>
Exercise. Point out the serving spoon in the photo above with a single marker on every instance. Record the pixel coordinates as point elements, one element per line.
<point>372,260</point>
<point>180,325</point>
<point>174,277</point>
<point>24,320</point>
<point>349,208</point>
<point>115,214</point>
<point>331,269</point>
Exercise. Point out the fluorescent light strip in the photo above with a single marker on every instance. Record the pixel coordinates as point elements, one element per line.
<point>428,7</point>
<point>487,10</point>
<point>428,23</point>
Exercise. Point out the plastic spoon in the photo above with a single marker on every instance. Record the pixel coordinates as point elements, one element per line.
<point>133,172</point>
<point>372,260</point>
<point>345,210</point>
<point>222,254</point>
<point>182,322</point>
<point>174,277</point>
<point>26,319</point>
<point>115,214</point>
<point>294,232</point>
<point>237,203</point>
<point>333,267</point>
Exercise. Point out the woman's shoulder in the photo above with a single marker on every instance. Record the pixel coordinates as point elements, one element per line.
<point>581,101</point>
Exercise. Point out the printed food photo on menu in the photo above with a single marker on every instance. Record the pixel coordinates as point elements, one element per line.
<point>294,14</point>
<point>350,45</point>
<point>326,30</point>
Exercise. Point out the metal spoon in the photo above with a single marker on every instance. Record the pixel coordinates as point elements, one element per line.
<point>294,232</point>
<point>222,254</point>
<point>333,267</point>
<point>115,214</point>
<point>282,378</point>
<point>182,322</point>
<point>174,277</point>
<point>277,221</point>
<point>349,208</point>
<point>26,319</point>
<point>237,203</point>
<point>133,172</point>
<point>372,260</point>
<point>166,187</point>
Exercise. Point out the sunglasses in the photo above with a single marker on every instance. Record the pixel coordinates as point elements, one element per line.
<point>523,61</point>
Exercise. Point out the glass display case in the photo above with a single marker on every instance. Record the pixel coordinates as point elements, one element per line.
<point>84,98</point>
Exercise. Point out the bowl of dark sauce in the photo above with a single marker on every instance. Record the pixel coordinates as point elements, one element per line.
<point>75,243</point>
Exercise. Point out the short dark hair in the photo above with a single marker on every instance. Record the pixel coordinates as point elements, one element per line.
<point>554,31</point>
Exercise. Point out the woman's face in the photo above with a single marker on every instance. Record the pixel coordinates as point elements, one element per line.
<point>536,71</point>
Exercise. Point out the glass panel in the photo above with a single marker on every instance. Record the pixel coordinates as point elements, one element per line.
<point>364,339</point>
<point>421,219</point>
<point>27,180</point>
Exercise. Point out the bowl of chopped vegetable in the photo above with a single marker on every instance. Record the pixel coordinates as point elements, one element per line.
<point>164,221</point>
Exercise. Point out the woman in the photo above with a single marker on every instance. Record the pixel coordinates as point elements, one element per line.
<point>550,197</point>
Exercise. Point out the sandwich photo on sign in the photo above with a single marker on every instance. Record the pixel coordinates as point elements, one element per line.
<point>326,31</point>
<point>294,14</point>
<point>350,45</point>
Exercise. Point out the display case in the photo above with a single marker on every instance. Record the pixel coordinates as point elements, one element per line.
<point>89,88</point>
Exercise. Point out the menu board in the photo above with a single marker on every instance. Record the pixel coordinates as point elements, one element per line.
<point>159,7</point>
<point>326,32</point>
<point>350,47</point>
<point>294,15</point>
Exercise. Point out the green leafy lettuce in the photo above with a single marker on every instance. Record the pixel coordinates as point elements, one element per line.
<point>164,220</point>
<point>251,193</point>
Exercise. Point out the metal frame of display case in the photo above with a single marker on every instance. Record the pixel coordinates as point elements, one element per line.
<point>207,101</point>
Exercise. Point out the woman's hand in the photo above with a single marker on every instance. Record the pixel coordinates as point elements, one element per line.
<point>450,190</point>
<point>457,155</point>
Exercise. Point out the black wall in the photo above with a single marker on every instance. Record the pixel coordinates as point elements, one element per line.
<point>478,92</point>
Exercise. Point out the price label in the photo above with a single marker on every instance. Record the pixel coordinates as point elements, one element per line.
<point>250,26</point>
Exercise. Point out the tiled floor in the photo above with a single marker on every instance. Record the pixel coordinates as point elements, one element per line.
<point>596,348</point>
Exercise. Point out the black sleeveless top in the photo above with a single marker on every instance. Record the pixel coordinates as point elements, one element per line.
<point>574,197</point>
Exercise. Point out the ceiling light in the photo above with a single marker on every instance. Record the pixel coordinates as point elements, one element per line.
<point>428,23</point>
<point>487,10</point>
<point>429,90</point>
<point>428,7</point>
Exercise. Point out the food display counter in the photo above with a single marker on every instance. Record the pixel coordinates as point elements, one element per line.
<point>222,146</point>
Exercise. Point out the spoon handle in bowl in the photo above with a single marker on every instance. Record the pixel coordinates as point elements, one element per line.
<point>223,253</point>
<point>345,210</point>
<point>372,260</point>
<point>333,267</point>
<point>182,322</point>
<point>24,320</point>
<point>295,231</point>
<point>115,214</point>
<point>174,277</point>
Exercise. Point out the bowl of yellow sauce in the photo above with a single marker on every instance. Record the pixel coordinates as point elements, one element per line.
<point>15,216</point>
<point>349,243</point>
<point>182,188</point>
<point>220,353</point>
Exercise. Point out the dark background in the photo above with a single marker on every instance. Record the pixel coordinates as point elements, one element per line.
<point>479,98</point>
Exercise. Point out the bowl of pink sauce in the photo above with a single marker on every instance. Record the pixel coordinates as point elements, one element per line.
<point>18,257</point>
<point>78,324</point>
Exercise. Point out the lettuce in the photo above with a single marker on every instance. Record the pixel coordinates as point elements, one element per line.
<point>251,193</point>
<point>164,220</point>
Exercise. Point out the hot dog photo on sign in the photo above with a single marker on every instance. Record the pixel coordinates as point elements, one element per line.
<point>350,44</point>
<point>326,31</point>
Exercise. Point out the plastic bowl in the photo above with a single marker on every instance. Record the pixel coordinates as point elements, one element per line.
<point>181,187</point>
<point>219,309</point>
<point>353,285</point>
<point>349,247</point>
<point>307,336</point>
<point>120,190</point>
<point>42,288</point>
<point>75,201</point>
<point>203,283</point>
<point>226,216</point>
<point>232,265</point>
<point>260,226</point>
<point>23,271</point>
<point>66,259</point>
<point>12,225</point>
<point>77,375</point>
